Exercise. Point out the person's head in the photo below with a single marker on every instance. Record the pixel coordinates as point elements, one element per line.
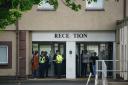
<point>85,51</point>
<point>57,52</point>
<point>36,53</point>
<point>95,53</point>
<point>46,52</point>
<point>43,53</point>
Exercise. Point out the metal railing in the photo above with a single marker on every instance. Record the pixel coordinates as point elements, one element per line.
<point>108,70</point>
<point>103,70</point>
<point>89,78</point>
<point>104,73</point>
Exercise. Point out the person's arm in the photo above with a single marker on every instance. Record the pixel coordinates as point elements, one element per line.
<point>39,59</point>
<point>47,59</point>
<point>97,58</point>
<point>54,58</point>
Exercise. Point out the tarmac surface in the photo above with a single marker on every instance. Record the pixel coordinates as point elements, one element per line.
<point>57,82</point>
<point>48,82</point>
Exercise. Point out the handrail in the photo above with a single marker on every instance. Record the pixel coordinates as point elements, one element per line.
<point>103,70</point>
<point>89,78</point>
<point>104,73</point>
<point>107,60</point>
<point>96,79</point>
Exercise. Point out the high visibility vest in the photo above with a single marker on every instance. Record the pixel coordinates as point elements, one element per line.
<point>42,59</point>
<point>59,59</point>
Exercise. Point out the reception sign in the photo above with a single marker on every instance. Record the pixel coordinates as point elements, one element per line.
<point>73,36</point>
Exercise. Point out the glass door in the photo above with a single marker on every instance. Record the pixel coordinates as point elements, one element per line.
<point>50,48</point>
<point>104,51</point>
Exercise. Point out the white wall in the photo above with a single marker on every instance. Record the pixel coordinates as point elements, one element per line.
<point>70,60</point>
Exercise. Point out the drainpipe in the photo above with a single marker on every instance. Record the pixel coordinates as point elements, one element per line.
<point>17,49</point>
<point>124,9</point>
<point>17,46</point>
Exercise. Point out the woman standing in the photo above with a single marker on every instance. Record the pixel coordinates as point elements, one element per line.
<point>35,64</point>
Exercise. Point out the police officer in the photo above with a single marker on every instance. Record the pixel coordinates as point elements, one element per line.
<point>46,64</point>
<point>42,60</point>
<point>58,60</point>
<point>54,63</point>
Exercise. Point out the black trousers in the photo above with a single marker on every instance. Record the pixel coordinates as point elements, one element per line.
<point>84,69</point>
<point>55,69</point>
<point>46,69</point>
<point>91,68</point>
<point>58,67</point>
<point>42,70</point>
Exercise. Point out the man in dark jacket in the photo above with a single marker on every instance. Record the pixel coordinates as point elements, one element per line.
<point>42,61</point>
<point>46,64</point>
<point>93,59</point>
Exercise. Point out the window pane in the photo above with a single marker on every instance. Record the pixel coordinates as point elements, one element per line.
<point>45,5</point>
<point>3,55</point>
<point>93,48</point>
<point>35,47</point>
<point>95,5</point>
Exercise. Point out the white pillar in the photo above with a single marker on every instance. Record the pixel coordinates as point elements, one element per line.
<point>70,60</point>
<point>125,53</point>
<point>114,58</point>
<point>121,52</point>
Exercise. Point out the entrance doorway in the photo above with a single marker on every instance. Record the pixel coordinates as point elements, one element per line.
<point>51,48</point>
<point>104,51</point>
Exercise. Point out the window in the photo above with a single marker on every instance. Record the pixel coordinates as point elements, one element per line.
<point>45,5</point>
<point>99,5</point>
<point>3,54</point>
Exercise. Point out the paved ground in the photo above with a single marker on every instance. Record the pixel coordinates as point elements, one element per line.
<point>55,82</point>
<point>47,82</point>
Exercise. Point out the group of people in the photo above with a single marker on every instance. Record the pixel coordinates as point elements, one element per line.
<point>41,64</point>
<point>88,60</point>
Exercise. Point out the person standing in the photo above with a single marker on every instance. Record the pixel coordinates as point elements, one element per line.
<point>35,64</point>
<point>54,62</point>
<point>42,61</point>
<point>85,62</point>
<point>58,60</point>
<point>91,63</point>
<point>93,59</point>
<point>46,64</point>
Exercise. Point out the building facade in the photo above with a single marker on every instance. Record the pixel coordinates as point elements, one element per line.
<point>92,28</point>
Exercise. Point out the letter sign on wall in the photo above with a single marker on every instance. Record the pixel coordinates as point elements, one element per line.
<point>73,36</point>
<point>66,35</point>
